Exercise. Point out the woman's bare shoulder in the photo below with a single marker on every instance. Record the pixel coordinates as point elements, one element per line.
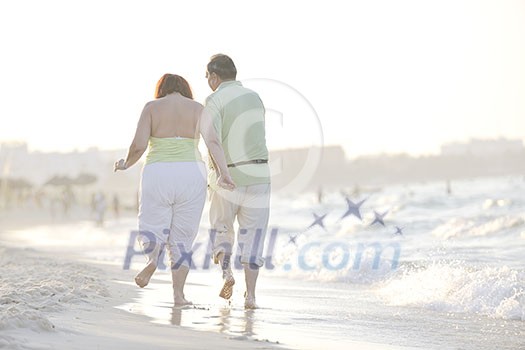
<point>156,105</point>
<point>193,103</point>
<point>194,106</point>
<point>150,104</point>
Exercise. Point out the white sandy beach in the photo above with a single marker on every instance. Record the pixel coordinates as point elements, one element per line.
<point>50,302</point>
<point>54,296</point>
<point>56,299</point>
<point>459,284</point>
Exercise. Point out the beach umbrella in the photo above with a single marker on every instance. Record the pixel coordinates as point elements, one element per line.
<point>17,183</point>
<point>59,181</point>
<point>84,179</point>
<point>21,183</point>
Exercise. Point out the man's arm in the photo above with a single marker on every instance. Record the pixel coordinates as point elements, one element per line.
<point>214,145</point>
<point>214,115</point>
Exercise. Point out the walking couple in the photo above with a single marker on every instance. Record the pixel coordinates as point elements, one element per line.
<point>174,178</point>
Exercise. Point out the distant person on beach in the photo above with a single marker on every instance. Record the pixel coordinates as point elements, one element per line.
<point>239,118</point>
<point>100,208</point>
<point>93,203</point>
<point>116,206</point>
<point>67,200</point>
<point>173,182</point>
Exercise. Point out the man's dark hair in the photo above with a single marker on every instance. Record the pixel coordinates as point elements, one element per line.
<point>223,66</point>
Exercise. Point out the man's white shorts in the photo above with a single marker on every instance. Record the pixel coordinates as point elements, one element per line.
<point>251,206</point>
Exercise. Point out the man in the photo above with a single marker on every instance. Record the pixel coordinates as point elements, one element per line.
<point>238,115</point>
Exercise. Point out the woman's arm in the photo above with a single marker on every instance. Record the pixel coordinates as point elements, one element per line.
<point>211,139</point>
<point>140,141</point>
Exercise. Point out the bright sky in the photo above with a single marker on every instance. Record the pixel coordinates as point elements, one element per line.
<point>382,76</point>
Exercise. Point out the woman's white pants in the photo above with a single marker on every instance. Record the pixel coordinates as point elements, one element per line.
<point>171,200</point>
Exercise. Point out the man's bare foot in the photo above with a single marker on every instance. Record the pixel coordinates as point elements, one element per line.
<point>143,277</point>
<point>182,302</point>
<point>227,288</point>
<point>249,302</point>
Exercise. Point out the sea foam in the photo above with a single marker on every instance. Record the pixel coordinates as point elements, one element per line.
<point>494,292</point>
<point>462,227</point>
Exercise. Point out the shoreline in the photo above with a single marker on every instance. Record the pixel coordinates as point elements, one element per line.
<point>68,297</point>
<point>51,297</point>
<point>87,312</point>
<point>421,306</point>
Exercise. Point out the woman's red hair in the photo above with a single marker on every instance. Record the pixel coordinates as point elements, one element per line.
<point>170,83</point>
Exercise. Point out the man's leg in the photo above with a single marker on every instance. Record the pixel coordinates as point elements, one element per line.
<point>223,209</point>
<point>251,272</point>
<point>253,219</point>
<point>227,275</point>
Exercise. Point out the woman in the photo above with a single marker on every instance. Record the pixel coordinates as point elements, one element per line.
<point>173,181</point>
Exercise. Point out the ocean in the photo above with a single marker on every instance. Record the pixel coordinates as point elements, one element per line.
<point>437,270</point>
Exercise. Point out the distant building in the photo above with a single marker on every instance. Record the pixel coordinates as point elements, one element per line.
<point>293,170</point>
<point>296,170</point>
<point>16,161</point>
<point>483,147</point>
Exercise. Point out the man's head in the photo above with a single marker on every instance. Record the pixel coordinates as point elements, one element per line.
<point>220,68</point>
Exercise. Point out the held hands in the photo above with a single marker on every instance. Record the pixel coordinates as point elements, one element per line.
<point>119,165</point>
<point>226,182</point>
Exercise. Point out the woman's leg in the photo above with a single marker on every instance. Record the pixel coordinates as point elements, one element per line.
<point>178,277</point>
<point>154,220</point>
<point>186,217</point>
<point>152,251</point>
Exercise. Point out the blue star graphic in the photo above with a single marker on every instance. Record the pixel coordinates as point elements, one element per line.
<point>399,231</point>
<point>292,239</point>
<point>353,209</point>
<point>318,221</point>
<point>379,218</point>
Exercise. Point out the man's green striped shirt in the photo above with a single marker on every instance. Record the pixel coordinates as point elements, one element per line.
<point>238,115</point>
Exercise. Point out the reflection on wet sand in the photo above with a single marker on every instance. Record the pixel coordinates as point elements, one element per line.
<point>248,322</point>
<point>278,324</point>
<point>229,321</point>
<point>176,316</point>
<point>225,324</point>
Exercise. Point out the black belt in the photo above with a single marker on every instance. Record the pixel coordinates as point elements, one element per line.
<point>255,161</point>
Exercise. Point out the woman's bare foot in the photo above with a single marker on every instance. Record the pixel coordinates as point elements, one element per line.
<point>143,277</point>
